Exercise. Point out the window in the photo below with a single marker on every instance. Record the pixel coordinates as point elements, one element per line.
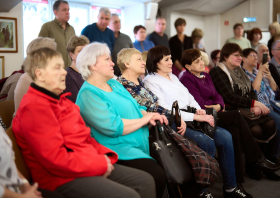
<point>35,14</point>
<point>38,12</point>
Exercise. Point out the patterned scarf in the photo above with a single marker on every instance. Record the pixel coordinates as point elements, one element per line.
<point>238,77</point>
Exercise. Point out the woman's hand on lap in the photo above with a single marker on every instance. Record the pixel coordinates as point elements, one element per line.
<point>161,118</point>
<point>256,110</point>
<point>32,192</point>
<point>110,167</point>
<point>204,118</point>
<point>200,112</point>
<point>182,128</point>
<point>217,107</point>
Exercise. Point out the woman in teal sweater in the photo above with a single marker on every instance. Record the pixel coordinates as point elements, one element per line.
<point>115,118</point>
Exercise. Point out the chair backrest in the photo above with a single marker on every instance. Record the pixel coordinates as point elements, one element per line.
<point>20,163</point>
<point>7,109</point>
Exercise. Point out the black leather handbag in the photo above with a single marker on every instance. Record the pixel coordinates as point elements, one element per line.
<point>203,127</point>
<point>170,156</point>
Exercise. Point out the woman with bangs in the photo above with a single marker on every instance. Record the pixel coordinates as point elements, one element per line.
<point>232,83</point>
<point>254,36</point>
<point>168,89</point>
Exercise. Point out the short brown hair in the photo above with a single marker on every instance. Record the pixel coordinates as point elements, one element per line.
<point>228,49</point>
<point>197,33</point>
<point>189,56</point>
<point>253,31</point>
<point>57,4</point>
<point>155,55</point>
<point>124,56</point>
<point>237,24</point>
<point>38,59</point>
<point>214,54</point>
<point>137,28</point>
<point>76,41</point>
<point>180,21</point>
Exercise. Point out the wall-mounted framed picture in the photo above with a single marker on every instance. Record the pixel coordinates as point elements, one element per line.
<point>2,67</point>
<point>8,35</point>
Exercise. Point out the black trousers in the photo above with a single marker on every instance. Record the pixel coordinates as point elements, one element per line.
<point>153,168</point>
<point>242,139</point>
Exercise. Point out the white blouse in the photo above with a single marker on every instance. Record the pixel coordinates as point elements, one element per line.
<point>169,91</point>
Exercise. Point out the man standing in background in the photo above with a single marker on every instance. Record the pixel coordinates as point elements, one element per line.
<point>59,29</point>
<point>158,37</point>
<point>99,31</point>
<point>121,41</point>
<point>238,38</point>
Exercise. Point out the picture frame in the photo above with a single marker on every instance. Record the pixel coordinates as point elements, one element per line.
<point>8,35</point>
<point>2,67</point>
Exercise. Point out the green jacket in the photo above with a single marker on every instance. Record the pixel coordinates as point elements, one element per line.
<point>53,29</point>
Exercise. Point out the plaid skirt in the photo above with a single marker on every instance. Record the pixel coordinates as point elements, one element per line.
<point>261,120</point>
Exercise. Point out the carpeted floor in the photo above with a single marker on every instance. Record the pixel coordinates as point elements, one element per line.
<point>263,188</point>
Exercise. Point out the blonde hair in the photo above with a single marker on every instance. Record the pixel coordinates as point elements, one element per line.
<point>38,59</point>
<point>275,25</point>
<point>124,56</point>
<point>205,58</point>
<point>41,42</point>
<point>197,33</point>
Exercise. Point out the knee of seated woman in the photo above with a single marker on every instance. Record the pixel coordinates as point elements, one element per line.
<point>222,135</point>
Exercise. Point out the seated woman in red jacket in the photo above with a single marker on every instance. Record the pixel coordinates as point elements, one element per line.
<point>201,87</point>
<point>56,143</point>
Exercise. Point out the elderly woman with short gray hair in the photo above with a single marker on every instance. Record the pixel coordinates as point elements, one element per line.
<point>25,79</point>
<point>116,120</point>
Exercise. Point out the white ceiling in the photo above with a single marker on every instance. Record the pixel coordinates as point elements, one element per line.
<point>200,7</point>
<point>112,3</point>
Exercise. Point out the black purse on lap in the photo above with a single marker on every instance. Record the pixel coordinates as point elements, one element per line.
<point>203,127</point>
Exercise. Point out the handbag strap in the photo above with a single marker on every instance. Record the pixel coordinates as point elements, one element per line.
<point>163,133</point>
<point>171,118</point>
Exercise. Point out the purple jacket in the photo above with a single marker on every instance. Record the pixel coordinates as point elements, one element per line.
<point>203,90</point>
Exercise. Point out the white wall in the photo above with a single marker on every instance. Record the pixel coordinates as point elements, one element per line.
<point>253,8</point>
<point>211,33</point>
<point>133,15</point>
<point>193,21</point>
<point>13,61</point>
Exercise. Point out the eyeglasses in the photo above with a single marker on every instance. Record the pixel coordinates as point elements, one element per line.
<point>278,49</point>
<point>253,55</point>
<point>217,58</point>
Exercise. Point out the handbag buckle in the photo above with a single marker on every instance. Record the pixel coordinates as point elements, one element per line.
<point>157,146</point>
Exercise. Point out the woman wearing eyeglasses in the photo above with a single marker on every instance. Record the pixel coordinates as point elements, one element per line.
<point>264,85</point>
<point>234,86</point>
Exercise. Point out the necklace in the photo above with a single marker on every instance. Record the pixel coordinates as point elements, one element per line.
<point>201,76</point>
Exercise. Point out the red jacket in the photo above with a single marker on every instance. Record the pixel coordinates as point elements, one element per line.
<point>55,141</point>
